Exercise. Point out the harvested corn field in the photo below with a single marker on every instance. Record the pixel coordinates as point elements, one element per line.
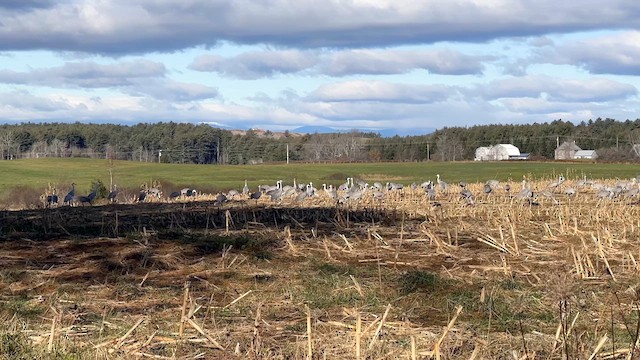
<point>499,274</point>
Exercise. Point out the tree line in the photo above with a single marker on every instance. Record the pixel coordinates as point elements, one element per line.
<point>172,142</point>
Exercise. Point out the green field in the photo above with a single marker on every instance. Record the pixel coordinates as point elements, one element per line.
<point>38,173</point>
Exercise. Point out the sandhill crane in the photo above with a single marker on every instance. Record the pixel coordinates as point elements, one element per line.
<point>426,185</point>
<point>549,194</point>
<point>346,186</point>
<point>220,199</point>
<point>493,183</point>
<point>584,181</point>
<point>113,194</point>
<point>52,199</point>
<point>361,183</point>
<point>245,189</point>
<point>155,192</point>
<point>302,195</point>
<point>92,195</point>
<point>443,185</point>
<point>70,195</point>
<point>555,184</point>
<point>289,191</point>
<point>275,194</point>
<point>467,196</point>
<point>333,194</point>
<point>605,193</point>
<point>84,200</point>
<point>431,193</point>
<point>525,192</point>
<point>256,195</point>
<point>355,193</point>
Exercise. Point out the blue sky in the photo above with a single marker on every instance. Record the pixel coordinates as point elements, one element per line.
<point>281,64</point>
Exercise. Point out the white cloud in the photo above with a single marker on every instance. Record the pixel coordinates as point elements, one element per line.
<point>612,54</point>
<point>590,90</point>
<point>256,64</point>
<point>378,91</point>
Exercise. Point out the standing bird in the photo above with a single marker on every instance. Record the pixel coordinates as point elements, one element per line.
<point>52,199</point>
<point>554,185</point>
<point>431,193</point>
<point>245,189</point>
<point>345,186</point>
<point>275,194</point>
<point>443,185</point>
<point>256,195</point>
<point>113,194</point>
<point>526,192</point>
<point>487,189</point>
<point>92,195</point>
<point>142,195</point>
<point>70,195</point>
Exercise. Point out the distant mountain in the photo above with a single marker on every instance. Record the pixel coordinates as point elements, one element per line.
<point>405,132</point>
<point>384,132</point>
<point>310,129</point>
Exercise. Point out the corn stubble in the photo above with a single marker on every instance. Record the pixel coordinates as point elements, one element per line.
<point>500,278</point>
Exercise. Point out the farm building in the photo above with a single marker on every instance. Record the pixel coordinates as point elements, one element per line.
<point>586,154</point>
<point>499,152</point>
<point>567,150</point>
<point>482,153</point>
<point>503,152</point>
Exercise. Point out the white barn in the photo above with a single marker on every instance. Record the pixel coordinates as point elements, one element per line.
<point>585,154</point>
<point>499,152</point>
<point>482,153</point>
<point>503,152</point>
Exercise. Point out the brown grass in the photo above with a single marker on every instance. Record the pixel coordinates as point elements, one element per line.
<point>497,280</point>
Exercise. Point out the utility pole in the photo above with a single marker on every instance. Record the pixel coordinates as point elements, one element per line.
<point>428,152</point>
<point>159,155</point>
<point>557,141</point>
<point>617,144</point>
<point>287,153</point>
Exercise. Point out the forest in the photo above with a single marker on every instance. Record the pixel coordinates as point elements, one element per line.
<point>172,142</point>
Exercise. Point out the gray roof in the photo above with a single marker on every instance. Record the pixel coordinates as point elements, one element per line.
<point>585,153</point>
<point>569,145</point>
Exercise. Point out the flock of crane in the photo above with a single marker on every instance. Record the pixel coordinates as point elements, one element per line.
<point>354,190</point>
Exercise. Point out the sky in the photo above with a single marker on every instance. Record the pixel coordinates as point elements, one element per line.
<point>405,65</point>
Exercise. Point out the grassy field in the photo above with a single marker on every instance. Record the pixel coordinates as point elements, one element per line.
<point>38,173</point>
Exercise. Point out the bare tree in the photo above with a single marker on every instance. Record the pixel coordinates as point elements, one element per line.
<point>7,144</point>
<point>449,148</point>
<point>315,147</point>
<point>634,141</point>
